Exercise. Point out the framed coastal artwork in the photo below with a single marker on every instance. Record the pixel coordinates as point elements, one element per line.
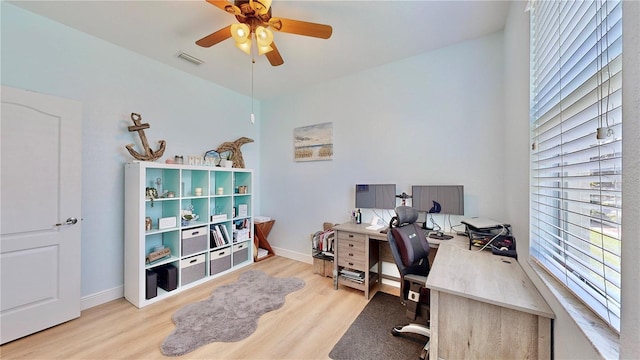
<point>314,142</point>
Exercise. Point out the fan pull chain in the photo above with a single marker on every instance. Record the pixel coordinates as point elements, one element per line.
<point>253,61</point>
<point>253,116</point>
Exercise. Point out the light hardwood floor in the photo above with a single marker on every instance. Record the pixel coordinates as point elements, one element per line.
<point>309,324</point>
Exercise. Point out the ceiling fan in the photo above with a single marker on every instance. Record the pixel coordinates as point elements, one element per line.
<point>254,21</point>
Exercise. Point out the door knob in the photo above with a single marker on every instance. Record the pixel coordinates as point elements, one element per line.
<point>70,221</point>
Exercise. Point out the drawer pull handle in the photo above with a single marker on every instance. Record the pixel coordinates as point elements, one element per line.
<point>350,245</point>
<point>192,261</point>
<point>350,235</point>
<point>351,263</point>
<point>350,254</point>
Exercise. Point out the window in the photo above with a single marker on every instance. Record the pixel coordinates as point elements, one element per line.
<point>576,158</point>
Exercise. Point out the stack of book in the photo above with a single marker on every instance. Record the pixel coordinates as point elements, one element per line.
<point>323,241</point>
<point>352,275</point>
<point>219,235</point>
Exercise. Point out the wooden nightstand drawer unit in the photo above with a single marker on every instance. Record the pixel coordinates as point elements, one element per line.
<point>355,254</point>
<point>352,254</point>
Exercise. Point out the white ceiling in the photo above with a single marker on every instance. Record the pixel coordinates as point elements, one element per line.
<point>365,34</point>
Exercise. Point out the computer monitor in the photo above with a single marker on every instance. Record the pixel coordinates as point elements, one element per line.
<point>376,196</point>
<point>444,199</point>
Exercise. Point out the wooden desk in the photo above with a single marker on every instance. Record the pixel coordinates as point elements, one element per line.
<point>482,306</point>
<point>262,230</point>
<point>368,253</point>
<point>485,306</point>
<point>354,249</point>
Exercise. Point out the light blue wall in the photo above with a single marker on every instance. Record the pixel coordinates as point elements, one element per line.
<point>432,119</point>
<point>192,115</point>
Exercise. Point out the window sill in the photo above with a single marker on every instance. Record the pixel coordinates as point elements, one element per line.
<point>603,339</point>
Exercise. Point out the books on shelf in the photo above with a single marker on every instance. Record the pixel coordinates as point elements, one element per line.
<point>355,280</point>
<point>219,235</point>
<point>352,275</point>
<point>324,240</point>
<point>225,234</point>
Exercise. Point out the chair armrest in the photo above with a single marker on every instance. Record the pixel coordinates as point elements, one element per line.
<point>416,279</point>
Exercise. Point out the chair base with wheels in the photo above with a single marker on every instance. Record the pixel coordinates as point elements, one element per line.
<point>416,311</point>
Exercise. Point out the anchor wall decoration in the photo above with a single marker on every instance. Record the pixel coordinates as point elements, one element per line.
<point>233,148</point>
<point>149,154</point>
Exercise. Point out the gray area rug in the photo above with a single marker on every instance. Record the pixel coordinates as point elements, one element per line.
<point>230,314</point>
<point>369,337</point>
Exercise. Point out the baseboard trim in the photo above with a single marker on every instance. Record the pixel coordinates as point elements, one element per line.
<point>117,292</point>
<point>391,282</point>
<point>101,297</point>
<point>293,255</point>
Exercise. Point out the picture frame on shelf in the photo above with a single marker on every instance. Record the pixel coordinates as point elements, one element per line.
<point>212,157</point>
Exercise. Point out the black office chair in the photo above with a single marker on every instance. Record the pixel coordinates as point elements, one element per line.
<point>410,250</point>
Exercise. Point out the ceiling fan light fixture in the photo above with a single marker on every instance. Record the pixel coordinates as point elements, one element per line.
<point>254,19</point>
<point>264,39</point>
<point>245,46</point>
<point>240,33</point>
<point>264,49</point>
<point>264,36</point>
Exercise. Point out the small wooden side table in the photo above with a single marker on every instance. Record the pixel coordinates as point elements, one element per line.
<point>262,230</point>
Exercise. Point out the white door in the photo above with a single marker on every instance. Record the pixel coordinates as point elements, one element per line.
<point>41,145</point>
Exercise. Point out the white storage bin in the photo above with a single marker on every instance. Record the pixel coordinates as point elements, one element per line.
<point>192,269</point>
<point>195,240</point>
<point>220,260</point>
<point>240,253</point>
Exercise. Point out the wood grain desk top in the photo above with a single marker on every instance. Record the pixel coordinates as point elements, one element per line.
<point>458,240</point>
<point>484,277</point>
<point>362,229</point>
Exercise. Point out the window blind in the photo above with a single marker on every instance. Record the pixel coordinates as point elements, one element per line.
<point>576,178</point>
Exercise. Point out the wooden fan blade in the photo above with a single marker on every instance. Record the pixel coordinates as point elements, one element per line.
<point>274,56</point>
<point>226,6</point>
<point>216,37</point>
<point>301,27</point>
